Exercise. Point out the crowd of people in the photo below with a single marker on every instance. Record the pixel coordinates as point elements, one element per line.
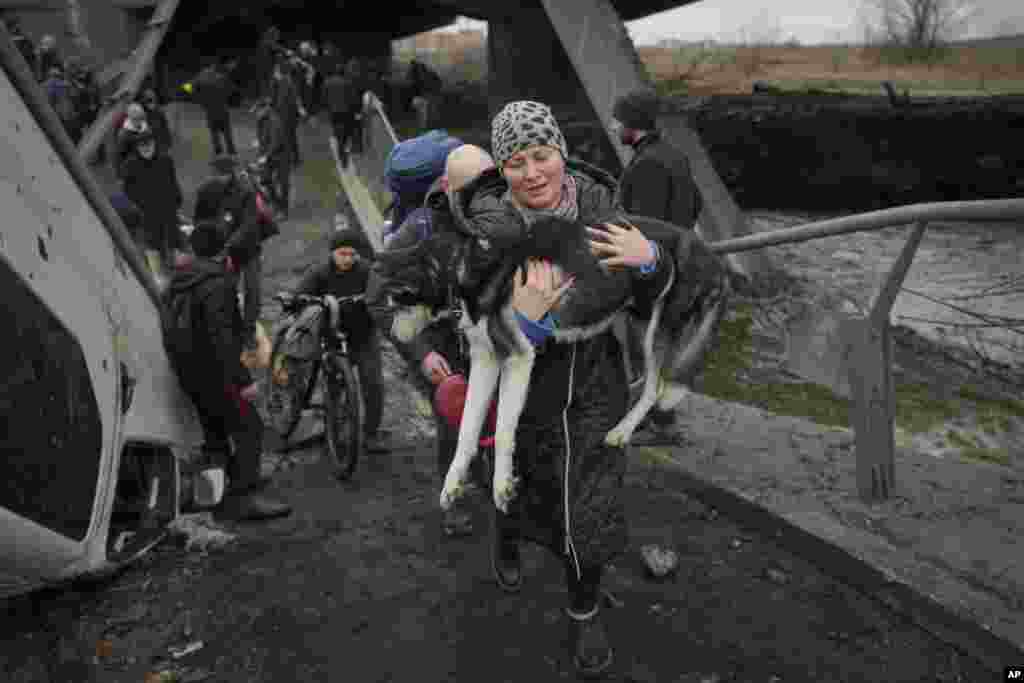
<point>70,85</point>
<point>465,199</point>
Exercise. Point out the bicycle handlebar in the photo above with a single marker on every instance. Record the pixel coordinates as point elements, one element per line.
<point>289,300</point>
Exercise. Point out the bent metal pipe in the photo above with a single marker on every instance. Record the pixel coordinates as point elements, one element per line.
<point>987,210</point>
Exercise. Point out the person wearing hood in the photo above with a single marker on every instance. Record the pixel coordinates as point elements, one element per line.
<point>570,495</point>
<point>231,198</point>
<point>216,381</point>
<point>347,273</point>
<point>412,168</point>
<point>133,126</point>
<point>418,273</point>
<point>658,183</point>
<point>150,180</point>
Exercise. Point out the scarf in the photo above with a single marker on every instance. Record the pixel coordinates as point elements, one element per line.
<point>568,206</point>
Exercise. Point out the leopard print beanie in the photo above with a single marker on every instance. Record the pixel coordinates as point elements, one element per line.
<point>523,124</point>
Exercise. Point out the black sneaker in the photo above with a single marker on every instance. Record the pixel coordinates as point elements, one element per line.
<point>251,507</point>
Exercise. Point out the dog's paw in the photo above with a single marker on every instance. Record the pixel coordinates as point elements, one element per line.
<point>452,491</point>
<point>618,438</point>
<point>505,492</point>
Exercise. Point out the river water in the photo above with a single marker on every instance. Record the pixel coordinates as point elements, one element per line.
<point>953,260</point>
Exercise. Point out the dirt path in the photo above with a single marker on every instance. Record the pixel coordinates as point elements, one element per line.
<point>359,585</point>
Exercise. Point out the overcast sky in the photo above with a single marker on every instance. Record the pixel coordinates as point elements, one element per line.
<point>809,21</point>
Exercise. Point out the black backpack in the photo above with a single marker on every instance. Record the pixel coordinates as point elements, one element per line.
<point>177,326</point>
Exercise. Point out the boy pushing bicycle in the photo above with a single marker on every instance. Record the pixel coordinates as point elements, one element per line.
<point>346,273</point>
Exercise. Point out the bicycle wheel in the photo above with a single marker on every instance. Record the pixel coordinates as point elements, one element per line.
<point>288,387</point>
<point>343,416</point>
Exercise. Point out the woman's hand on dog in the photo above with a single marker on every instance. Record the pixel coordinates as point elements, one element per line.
<point>538,290</point>
<point>623,247</point>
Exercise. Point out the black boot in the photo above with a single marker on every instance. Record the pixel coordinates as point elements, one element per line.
<point>248,505</point>
<point>591,652</point>
<point>506,564</point>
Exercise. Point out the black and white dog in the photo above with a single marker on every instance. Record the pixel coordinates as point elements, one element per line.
<point>681,325</point>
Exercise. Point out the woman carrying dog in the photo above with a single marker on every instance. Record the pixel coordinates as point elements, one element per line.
<point>569,497</point>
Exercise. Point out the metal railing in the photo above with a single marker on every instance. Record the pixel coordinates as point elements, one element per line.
<point>866,341</point>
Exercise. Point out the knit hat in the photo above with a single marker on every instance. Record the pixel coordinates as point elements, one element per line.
<point>637,110</point>
<point>351,237</point>
<point>414,164</point>
<point>524,124</point>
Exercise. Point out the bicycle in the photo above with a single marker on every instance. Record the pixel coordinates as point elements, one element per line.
<point>311,350</point>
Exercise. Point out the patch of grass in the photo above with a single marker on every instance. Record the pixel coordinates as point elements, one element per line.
<point>731,356</point>
<point>993,415</point>
<point>993,456</point>
<point>964,87</point>
<point>918,408</point>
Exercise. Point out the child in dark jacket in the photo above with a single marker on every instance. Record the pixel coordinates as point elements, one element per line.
<point>212,374</point>
<point>346,274</point>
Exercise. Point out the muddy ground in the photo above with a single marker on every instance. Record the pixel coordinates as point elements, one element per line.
<point>359,584</point>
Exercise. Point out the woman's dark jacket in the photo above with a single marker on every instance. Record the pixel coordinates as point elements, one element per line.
<point>153,185</point>
<point>577,390</point>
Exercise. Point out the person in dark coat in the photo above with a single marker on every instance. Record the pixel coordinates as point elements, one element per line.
<point>24,44</point>
<point>129,213</point>
<point>211,89</point>
<point>658,183</point>
<point>60,94</point>
<point>151,181</point>
<point>156,117</point>
<point>347,273</point>
<point>416,269</point>
<point>86,91</point>
<point>276,153</point>
<point>213,376</point>
<point>47,57</point>
<point>229,198</point>
<point>570,496</point>
<point>284,96</point>
<point>343,103</point>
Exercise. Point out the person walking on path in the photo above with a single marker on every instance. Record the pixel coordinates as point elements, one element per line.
<point>658,183</point>
<point>343,103</point>
<point>134,125</point>
<point>570,495</point>
<point>212,90</point>
<point>416,276</point>
<point>284,97</point>
<point>151,182</point>
<point>210,371</point>
<point>275,153</point>
<point>229,198</point>
<point>156,117</point>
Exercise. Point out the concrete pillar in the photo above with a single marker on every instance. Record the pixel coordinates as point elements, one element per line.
<point>526,60</point>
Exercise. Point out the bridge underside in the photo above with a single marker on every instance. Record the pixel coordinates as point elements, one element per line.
<point>201,27</point>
